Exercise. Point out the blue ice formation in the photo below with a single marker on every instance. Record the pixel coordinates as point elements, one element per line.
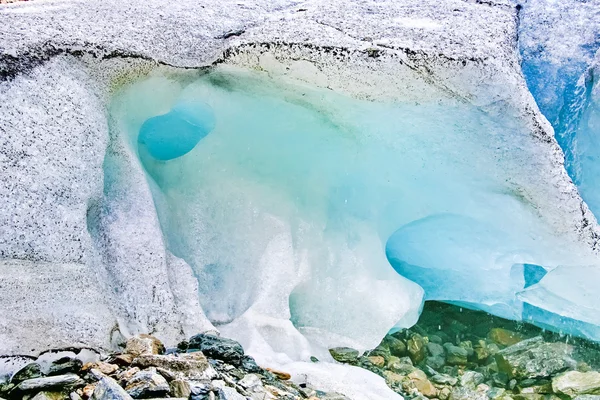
<point>324,210</point>
<point>177,132</point>
<point>559,42</point>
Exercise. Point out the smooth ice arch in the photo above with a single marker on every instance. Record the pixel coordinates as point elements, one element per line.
<point>286,209</point>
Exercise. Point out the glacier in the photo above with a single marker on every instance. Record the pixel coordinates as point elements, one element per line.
<point>334,164</point>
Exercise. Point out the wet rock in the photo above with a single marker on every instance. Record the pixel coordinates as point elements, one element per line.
<point>344,354</point>
<point>422,384</point>
<point>435,362</point>
<point>192,366</point>
<point>48,396</point>
<point>455,355</point>
<point>482,353</point>
<point>65,365</point>
<point>435,349</point>
<point>213,346</point>
<point>402,365</point>
<point>50,382</point>
<point>144,345</point>
<point>147,384</point>
<point>471,379</point>
<point>504,337</point>
<point>396,346</point>
<point>108,389</point>
<point>416,349</point>
<point>575,383</point>
<point>180,388</point>
<point>534,358</point>
<point>29,371</point>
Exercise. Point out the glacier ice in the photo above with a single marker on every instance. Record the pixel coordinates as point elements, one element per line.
<point>303,211</point>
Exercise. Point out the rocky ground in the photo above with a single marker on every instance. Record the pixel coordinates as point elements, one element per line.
<point>458,354</point>
<point>207,367</point>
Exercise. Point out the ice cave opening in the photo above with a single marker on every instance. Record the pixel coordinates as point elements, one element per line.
<point>343,215</point>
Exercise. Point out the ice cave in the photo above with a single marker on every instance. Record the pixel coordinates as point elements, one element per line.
<point>320,200</point>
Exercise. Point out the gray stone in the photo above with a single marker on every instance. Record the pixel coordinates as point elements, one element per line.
<point>464,393</point>
<point>471,379</point>
<point>48,396</point>
<point>495,393</point>
<point>344,354</point>
<point>227,393</point>
<point>455,355</point>
<point>435,349</point>
<point>141,345</point>
<point>436,362</point>
<point>217,347</point>
<point>147,383</point>
<point>108,389</point>
<point>444,379</point>
<point>534,358</point>
<point>65,365</point>
<point>575,383</point>
<point>180,388</point>
<point>50,382</point>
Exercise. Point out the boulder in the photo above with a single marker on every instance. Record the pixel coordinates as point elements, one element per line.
<point>534,358</point>
<point>575,383</point>
<point>344,354</point>
<point>416,348</point>
<point>193,366</point>
<point>227,393</point>
<point>435,349</point>
<point>50,382</point>
<point>65,365</point>
<point>148,383</point>
<point>180,388</point>
<point>471,379</point>
<point>108,389</point>
<point>48,396</point>
<point>422,384</point>
<point>456,355</point>
<point>464,393</point>
<point>217,347</point>
<point>396,346</point>
<point>144,345</point>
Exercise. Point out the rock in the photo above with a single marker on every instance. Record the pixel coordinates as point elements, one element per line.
<point>180,388</point>
<point>123,360</point>
<point>416,348</point>
<point>144,345</point>
<point>108,389</point>
<point>471,379</point>
<point>227,393</point>
<point>214,346</point>
<point>249,364</point>
<point>435,362</point>
<point>393,379</point>
<point>575,383</point>
<point>396,346</point>
<point>534,358</point>
<point>65,365</point>
<point>74,396</point>
<point>482,353</point>
<point>443,379</point>
<point>435,349</point>
<point>249,381</point>
<point>284,376</point>
<point>104,367</point>
<point>402,365</point>
<point>344,354</point>
<point>377,361</point>
<point>464,393</point>
<point>127,374</point>
<point>147,383</point>
<point>504,337</point>
<point>88,390</point>
<point>444,393</point>
<point>500,379</point>
<point>29,371</point>
<point>539,388</point>
<point>587,397</point>
<point>48,396</point>
<point>334,396</point>
<point>495,393</point>
<point>423,385</point>
<point>193,366</point>
<point>455,355</point>
<point>50,382</point>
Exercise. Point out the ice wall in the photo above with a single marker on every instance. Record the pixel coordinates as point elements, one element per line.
<point>300,203</point>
